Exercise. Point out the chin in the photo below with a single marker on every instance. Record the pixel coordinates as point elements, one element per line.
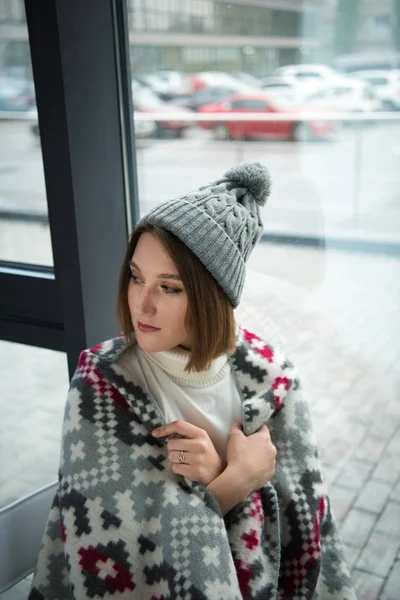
<point>145,342</point>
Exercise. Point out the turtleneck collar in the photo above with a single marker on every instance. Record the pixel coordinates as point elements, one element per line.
<point>174,362</point>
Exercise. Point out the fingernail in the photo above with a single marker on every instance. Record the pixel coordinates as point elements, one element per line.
<point>156,432</point>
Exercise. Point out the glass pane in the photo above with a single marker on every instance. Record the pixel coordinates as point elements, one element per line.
<point>324,283</point>
<point>24,230</point>
<point>34,384</point>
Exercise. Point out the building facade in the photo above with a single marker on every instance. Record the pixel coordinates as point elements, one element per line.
<point>360,33</point>
<point>254,36</point>
<point>240,35</point>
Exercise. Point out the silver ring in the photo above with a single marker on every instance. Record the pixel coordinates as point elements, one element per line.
<point>181,458</point>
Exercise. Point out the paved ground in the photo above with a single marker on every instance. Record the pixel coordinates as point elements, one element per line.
<point>337,315</point>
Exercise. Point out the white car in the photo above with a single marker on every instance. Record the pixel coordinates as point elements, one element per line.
<point>345,95</point>
<point>386,85</point>
<point>215,79</point>
<point>308,73</point>
<point>168,84</point>
<point>247,78</point>
<point>144,128</point>
<point>288,86</point>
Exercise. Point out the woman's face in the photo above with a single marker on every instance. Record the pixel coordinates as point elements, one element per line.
<point>156,297</point>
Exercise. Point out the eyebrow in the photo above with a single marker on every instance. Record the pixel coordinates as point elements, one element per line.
<point>160,275</point>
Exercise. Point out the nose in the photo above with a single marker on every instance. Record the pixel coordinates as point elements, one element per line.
<point>147,304</point>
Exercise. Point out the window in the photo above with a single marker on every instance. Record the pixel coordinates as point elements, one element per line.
<point>378,80</point>
<point>321,95</point>
<point>50,313</point>
<point>323,284</point>
<point>249,105</point>
<point>342,91</point>
<point>368,94</point>
<point>277,85</point>
<point>213,93</point>
<point>308,75</point>
<point>24,226</point>
<point>34,389</point>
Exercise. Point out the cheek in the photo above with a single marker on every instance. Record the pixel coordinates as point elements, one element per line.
<point>180,313</point>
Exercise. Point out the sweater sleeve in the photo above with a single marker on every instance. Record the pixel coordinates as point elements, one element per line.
<point>50,581</point>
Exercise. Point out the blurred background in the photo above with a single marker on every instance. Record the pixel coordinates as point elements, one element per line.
<point>311,88</point>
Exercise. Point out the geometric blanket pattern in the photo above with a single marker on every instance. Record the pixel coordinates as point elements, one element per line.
<point>124,526</point>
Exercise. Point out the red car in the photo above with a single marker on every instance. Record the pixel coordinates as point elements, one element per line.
<point>301,130</point>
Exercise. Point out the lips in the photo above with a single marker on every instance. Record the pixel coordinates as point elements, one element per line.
<point>144,328</point>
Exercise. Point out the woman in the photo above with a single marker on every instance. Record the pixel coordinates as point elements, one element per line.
<point>188,464</point>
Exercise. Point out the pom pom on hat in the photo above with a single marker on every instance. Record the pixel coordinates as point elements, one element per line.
<point>254,177</point>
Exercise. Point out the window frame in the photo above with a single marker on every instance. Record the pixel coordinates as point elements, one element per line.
<point>70,308</point>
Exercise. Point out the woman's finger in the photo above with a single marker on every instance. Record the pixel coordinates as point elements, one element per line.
<point>179,457</point>
<point>181,444</point>
<point>181,427</point>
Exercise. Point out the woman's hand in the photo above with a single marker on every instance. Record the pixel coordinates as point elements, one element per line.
<point>201,461</point>
<point>251,457</point>
<point>251,463</point>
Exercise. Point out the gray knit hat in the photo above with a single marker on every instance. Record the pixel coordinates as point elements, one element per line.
<point>220,222</point>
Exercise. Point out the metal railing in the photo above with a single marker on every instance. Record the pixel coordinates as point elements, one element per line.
<point>317,115</point>
<point>309,115</point>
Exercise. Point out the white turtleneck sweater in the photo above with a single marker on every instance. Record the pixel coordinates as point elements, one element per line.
<point>208,399</point>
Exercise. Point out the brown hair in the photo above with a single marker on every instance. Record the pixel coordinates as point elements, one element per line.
<point>209,318</point>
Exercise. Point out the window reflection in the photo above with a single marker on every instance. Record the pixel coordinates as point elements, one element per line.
<point>320,81</point>
<point>24,231</point>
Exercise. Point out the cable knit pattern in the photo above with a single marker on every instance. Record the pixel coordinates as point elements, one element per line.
<point>124,526</point>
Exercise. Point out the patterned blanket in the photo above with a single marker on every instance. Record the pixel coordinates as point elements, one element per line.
<point>123,525</point>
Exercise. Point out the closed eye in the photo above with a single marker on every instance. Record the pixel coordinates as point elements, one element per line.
<point>170,290</point>
<point>167,289</point>
<point>134,278</point>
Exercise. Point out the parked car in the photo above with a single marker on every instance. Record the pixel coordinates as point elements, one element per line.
<point>33,123</point>
<point>204,79</point>
<point>308,72</point>
<point>14,96</point>
<point>374,59</point>
<point>301,130</point>
<point>345,95</point>
<point>288,86</point>
<point>145,101</point>
<point>167,84</point>
<point>252,80</point>
<point>210,95</point>
<point>386,85</point>
<point>144,128</point>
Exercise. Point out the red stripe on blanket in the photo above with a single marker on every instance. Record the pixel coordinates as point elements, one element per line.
<point>285,382</point>
<point>261,348</point>
<point>256,510</point>
<point>244,573</point>
<point>95,379</point>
